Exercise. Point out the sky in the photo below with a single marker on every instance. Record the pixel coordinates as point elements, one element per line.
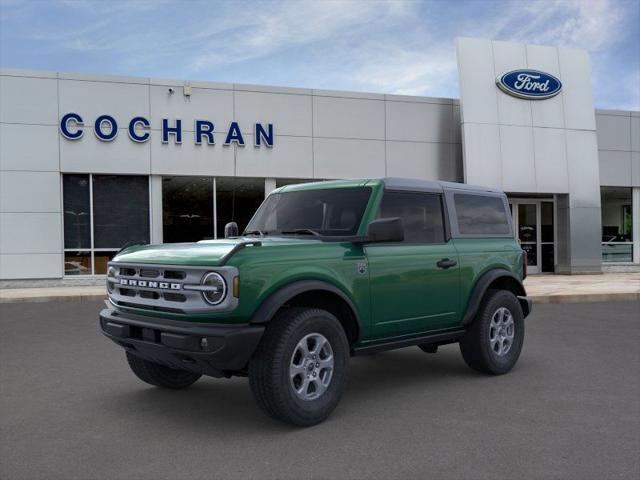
<point>403,47</point>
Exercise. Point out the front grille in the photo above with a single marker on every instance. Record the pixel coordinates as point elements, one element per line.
<point>148,273</point>
<point>174,297</point>
<point>174,275</point>
<point>162,288</point>
<point>148,294</point>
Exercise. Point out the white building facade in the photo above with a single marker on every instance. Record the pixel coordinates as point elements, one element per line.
<point>90,163</point>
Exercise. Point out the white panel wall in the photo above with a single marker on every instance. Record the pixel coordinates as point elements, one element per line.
<point>518,165</point>
<point>475,62</point>
<point>90,155</point>
<point>549,113</point>
<point>618,147</point>
<point>29,191</point>
<point>292,158</point>
<point>289,113</point>
<point>576,93</point>
<point>30,211</point>
<point>122,101</point>
<point>551,160</point>
<point>482,158</point>
<point>29,147</point>
<point>191,159</point>
<point>510,56</point>
<point>28,100</point>
<point>348,158</point>
<point>203,104</point>
<point>348,118</point>
<point>419,122</point>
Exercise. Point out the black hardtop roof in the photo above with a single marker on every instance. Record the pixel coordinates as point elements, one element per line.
<point>414,184</point>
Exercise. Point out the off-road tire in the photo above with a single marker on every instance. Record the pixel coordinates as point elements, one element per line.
<point>159,375</point>
<point>269,375</point>
<point>475,345</point>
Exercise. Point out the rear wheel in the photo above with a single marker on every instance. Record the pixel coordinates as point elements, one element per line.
<point>159,375</point>
<point>299,370</point>
<point>493,342</point>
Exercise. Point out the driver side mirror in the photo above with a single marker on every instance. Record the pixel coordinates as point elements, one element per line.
<point>385,230</point>
<point>231,230</point>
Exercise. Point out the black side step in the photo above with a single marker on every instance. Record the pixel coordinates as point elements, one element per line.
<point>437,337</point>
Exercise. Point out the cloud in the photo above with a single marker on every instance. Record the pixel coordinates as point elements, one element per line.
<point>291,25</point>
<point>402,46</point>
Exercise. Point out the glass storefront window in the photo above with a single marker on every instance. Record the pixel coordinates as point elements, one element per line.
<point>617,224</point>
<point>281,182</point>
<point>547,254</point>
<point>102,213</point>
<point>120,210</point>
<point>237,199</point>
<point>187,209</point>
<point>77,215</point>
<point>77,263</point>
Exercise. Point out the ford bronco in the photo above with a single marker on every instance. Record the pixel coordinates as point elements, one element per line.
<point>324,271</point>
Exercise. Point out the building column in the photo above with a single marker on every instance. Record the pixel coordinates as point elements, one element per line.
<point>155,204</point>
<point>579,238</point>
<point>269,185</point>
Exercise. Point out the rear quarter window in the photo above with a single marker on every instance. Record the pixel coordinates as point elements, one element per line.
<point>481,215</point>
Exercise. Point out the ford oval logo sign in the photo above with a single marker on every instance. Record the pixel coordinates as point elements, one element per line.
<point>529,84</point>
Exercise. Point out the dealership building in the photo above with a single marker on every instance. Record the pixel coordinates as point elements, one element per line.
<point>90,163</point>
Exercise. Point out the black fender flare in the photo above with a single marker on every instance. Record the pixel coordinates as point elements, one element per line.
<point>481,287</point>
<point>276,300</point>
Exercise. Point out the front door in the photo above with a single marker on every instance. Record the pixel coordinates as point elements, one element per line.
<point>534,224</point>
<point>528,233</point>
<point>414,284</point>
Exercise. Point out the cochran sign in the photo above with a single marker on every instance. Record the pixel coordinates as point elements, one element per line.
<point>105,128</point>
<point>529,84</point>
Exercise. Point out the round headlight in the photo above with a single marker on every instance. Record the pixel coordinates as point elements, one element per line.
<point>111,273</point>
<point>216,288</point>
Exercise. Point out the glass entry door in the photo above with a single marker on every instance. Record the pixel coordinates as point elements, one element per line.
<point>527,228</point>
<point>534,225</point>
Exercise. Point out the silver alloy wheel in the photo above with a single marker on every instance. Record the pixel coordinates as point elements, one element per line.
<point>311,366</point>
<point>501,331</point>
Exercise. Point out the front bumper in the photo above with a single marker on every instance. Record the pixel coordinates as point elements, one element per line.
<point>216,350</point>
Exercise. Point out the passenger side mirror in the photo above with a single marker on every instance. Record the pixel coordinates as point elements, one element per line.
<point>385,230</point>
<point>231,230</point>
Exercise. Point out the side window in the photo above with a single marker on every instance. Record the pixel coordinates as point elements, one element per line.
<point>481,215</point>
<point>421,214</point>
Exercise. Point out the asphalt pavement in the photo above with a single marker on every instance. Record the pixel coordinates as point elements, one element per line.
<point>71,409</point>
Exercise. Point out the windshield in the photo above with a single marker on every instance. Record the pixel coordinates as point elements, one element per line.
<point>325,212</point>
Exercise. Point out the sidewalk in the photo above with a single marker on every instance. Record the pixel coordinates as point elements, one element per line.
<point>542,288</point>
<point>607,287</point>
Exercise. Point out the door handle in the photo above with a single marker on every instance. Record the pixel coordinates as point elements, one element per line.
<point>446,263</point>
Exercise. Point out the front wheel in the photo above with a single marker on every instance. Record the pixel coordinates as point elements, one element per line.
<point>493,342</point>
<point>299,370</point>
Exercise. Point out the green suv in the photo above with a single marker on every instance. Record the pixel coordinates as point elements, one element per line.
<point>325,271</point>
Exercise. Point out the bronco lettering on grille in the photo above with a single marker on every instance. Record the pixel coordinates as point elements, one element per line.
<point>146,284</point>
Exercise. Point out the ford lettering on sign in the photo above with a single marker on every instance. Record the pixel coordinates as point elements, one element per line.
<point>529,84</point>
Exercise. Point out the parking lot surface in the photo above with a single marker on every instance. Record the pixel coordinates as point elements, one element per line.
<point>71,409</point>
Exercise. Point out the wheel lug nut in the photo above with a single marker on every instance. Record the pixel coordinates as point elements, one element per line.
<point>317,365</point>
<point>314,374</point>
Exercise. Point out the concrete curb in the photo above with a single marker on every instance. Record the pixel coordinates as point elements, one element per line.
<point>52,298</point>
<point>586,298</point>
<point>537,299</point>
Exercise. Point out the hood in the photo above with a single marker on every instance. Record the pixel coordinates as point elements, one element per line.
<point>204,253</point>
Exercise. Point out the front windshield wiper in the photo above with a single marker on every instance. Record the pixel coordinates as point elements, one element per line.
<point>256,232</point>
<point>302,231</point>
